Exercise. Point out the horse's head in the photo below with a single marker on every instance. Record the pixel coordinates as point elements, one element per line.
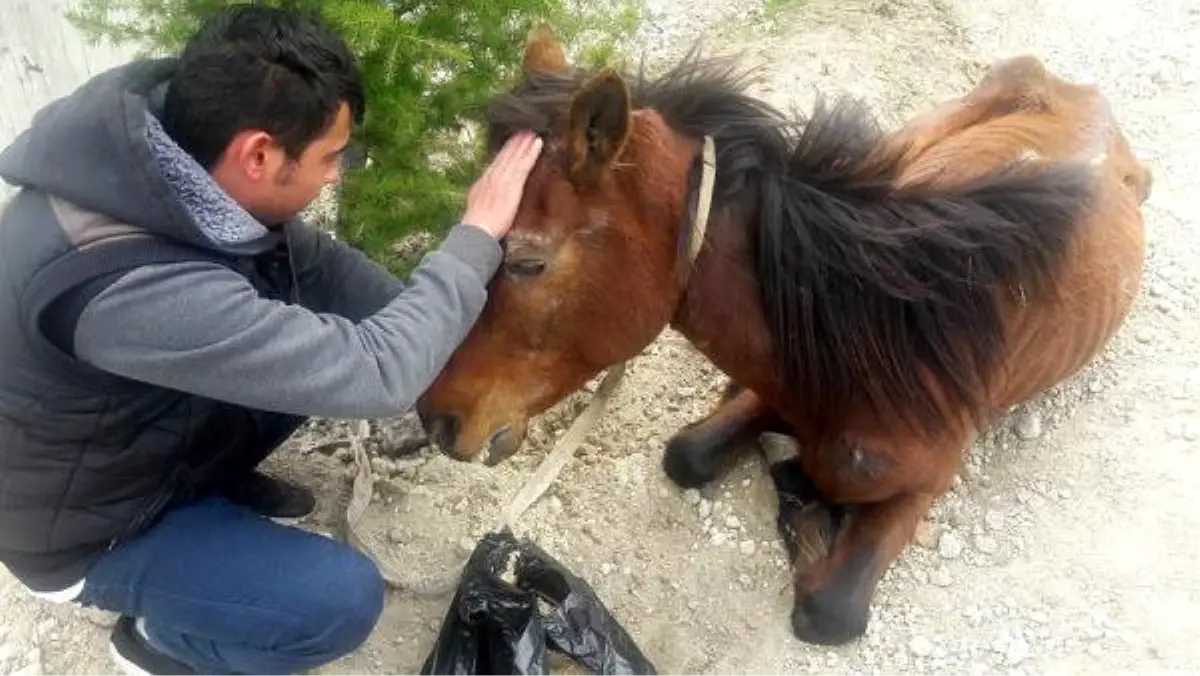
<point>589,276</point>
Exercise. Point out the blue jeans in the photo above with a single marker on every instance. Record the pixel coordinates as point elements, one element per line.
<point>225,590</point>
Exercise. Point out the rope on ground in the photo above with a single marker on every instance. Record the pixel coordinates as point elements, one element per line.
<point>541,480</point>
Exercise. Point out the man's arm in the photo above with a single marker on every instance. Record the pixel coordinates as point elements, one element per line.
<point>202,328</point>
<point>335,277</point>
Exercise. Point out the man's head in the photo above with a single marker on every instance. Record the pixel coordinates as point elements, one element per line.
<point>265,99</point>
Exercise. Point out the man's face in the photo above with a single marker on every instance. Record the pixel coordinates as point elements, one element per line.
<point>258,174</point>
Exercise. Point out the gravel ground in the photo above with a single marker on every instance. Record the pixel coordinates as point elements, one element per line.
<point>1070,542</point>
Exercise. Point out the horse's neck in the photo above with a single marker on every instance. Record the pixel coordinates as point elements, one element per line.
<point>721,313</point>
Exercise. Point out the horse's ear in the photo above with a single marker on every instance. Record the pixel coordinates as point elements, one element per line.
<point>543,53</point>
<point>597,126</point>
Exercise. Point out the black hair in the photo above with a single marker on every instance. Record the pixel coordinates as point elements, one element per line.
<point>254,66</point>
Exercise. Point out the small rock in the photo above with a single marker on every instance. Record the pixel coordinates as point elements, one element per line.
<point>692,496</point>
<point>950,545</point>
<point>921,646</point>
<point>927,533</point>
<point>686,392</point>
<point>1029,426</point>
<point>1096,387</point>
<point>1174,429</point>
<point>1024,495</point>
<point>746,581</point>
<point>606,568</point>
<point>747,547</point>
<point>732,521</point>
<point>1144,336</point>
<point>1190,433</point>
<point>33,664</point>
<point>1017,652</point>
<point>399,536</point>
<point>101,618</point>
<point>994,520</point>
<point>466,545</point>
<point>705,508</point>
<point>986,544</point>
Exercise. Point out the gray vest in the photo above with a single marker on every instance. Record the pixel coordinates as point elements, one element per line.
<point>89,458</point>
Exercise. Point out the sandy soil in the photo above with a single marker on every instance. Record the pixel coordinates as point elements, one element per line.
<point>1070,543</point>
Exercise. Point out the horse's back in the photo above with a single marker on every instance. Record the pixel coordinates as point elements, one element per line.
<point>1020,112</point>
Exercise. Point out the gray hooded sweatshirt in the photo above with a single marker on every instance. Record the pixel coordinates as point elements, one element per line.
<point>143,312</point>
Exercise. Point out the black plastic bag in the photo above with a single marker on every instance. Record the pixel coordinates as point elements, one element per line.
<point>515,604</point>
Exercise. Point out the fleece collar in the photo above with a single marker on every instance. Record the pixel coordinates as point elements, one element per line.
<point>222,220</point>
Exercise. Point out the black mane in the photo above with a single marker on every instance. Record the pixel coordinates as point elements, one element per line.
<point>859,281</point>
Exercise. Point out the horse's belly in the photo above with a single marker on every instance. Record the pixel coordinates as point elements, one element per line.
<point>1054,340</point>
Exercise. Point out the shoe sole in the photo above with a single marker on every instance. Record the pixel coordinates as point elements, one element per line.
<point>124,665</point>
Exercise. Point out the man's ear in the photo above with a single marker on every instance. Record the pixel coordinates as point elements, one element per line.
<point>597,126</point>
<point>543,53</point>
<point>250,153</point>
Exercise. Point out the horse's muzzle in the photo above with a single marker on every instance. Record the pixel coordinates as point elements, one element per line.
<point>444,430</point>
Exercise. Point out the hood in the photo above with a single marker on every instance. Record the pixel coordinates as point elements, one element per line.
<point>102,148</point>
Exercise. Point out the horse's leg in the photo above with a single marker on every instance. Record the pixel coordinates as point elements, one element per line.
<point>856,511</point>
<point>833,595</point>
<point>698,453</point>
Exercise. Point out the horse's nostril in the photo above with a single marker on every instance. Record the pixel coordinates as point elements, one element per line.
<point>501,446</point>
<point>443,430</point>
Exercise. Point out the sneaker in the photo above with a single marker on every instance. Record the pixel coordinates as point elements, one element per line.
<point>132,652</point>
<point>272,497</point>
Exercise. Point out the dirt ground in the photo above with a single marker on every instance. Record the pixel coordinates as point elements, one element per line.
<point>1070,544</point>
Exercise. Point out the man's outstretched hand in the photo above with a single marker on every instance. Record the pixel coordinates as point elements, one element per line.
<point>493,200</point>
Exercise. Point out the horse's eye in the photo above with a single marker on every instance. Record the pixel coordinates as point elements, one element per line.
<point>526,267</point>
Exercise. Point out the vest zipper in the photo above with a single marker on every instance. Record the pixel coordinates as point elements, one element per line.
<point>287,239</point>
<point>153,508</point>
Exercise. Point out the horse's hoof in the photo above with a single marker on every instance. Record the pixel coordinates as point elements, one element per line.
<point>824,617</point>
<point>688,463</point>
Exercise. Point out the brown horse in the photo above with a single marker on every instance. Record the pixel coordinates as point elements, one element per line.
<point>875,297</point>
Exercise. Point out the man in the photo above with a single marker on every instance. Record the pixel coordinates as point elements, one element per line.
<point>167,323</point>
